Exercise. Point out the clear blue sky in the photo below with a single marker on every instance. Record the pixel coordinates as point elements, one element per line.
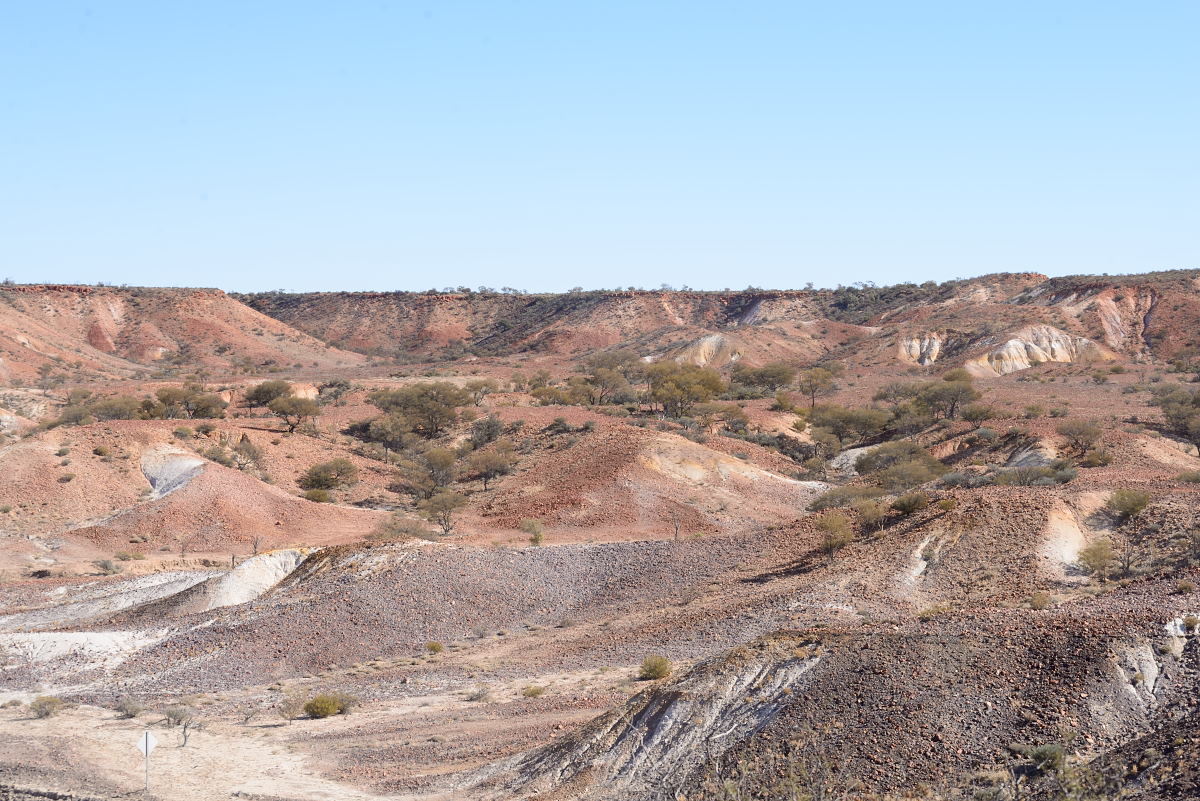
<point>374,145</point>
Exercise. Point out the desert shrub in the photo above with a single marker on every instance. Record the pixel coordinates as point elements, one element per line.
<point>843,496</point>
<point>62,451</point>
<point>1127,503</point>
<point>128,707</point>
<point>1192,476</point>
<point>329,475</point>
<point>322,706</point>
<point>400,527</point>
<point>480,695</point>
<point>246,453</point>
<point>534,529</point>
<point>178,714</point>
<point>434,647</point>
<point>888,454</point>
<point>290,707</point>
<point>118,407</point>
<point>1046,759</point>
<point>676,388</point>
<point>485,430</point>
<point>1098,558</point>
<point>910,503</point>
<point>655,667</point>
<point>898,466</point>
<point>346,702</point>
<point>533,691</point>
<point>183,432</point>
<point>1097,458</point>
<point>126,556</point>
<point>906,475</point>
<point>1040,600</point>
<point>983,436</point>
<point>836,532</point>
<point>66,478</point>
<point>871,512</point>
<point>330,393</point>
<point>937,610</point>
<point>1185,587</point>
<point>108,567</point>
<point>1081,435</point>
<point>1057,472</point>
<point>217,454</point>
<point>784,402</point>
<point>967,480</point>
<point>947,504</point>
<point>101,450</point>
<point>46,706</point>
<point>318,496</point>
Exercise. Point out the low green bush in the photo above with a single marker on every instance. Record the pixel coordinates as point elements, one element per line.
<point>655,667</point>
<point>326,705</point>
<point>910,503</point>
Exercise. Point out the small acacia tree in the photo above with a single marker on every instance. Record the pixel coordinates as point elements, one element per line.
<point>488,465</point>
<point>442,508</point>
<point>978,413</point>
<point>1081,435</point>
<point>813,383</point>
<point>262,394</point>
<point>294,411</point>
<point>1098,558</point>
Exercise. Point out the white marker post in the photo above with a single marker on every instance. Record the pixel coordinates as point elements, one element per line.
<point>146,744</point>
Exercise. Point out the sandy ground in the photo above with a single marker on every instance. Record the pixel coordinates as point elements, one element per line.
<point>300,760</point>
<point>221,760</point>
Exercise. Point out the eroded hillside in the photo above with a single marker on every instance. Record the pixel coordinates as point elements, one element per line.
<point>932,542</point>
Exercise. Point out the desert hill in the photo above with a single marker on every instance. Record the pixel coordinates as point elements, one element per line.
<point>925,542</point>
<point>102,332</point>
<point>1002,321</point>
